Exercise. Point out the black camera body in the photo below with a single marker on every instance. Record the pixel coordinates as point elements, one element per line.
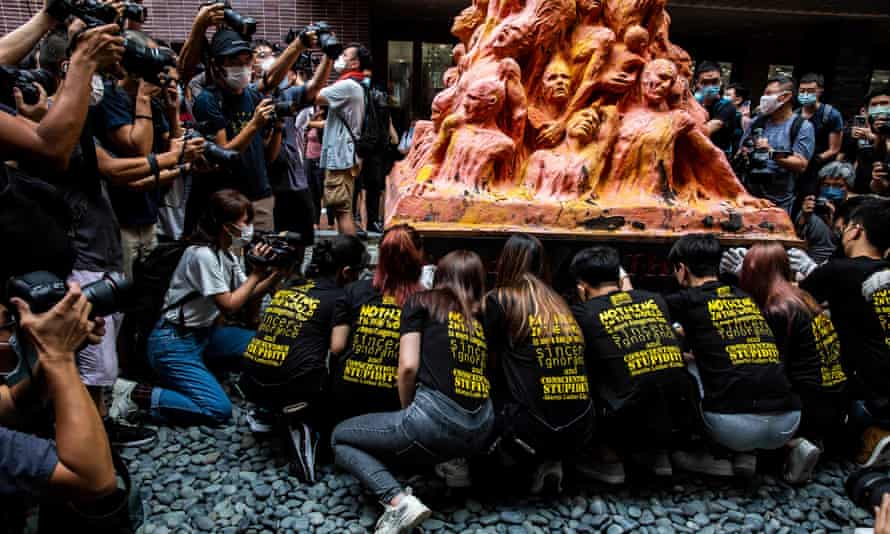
<point>244,26</point>
<point>25,80</point>
<point>213,153</point>
<point>284,108</point>
<point>147,63</point>
<point>95,13</point>
<point>866,487</point>
<point>285,248</point>
<point>327,41</point>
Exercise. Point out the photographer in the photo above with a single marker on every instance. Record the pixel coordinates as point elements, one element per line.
<point>77,464</point>
<point>879,121</point>
<point>779,145</point>
<point>828,126</point>
<point>835,181</point>
<point>17,44</point>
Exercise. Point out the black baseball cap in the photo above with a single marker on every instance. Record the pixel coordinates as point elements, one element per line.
<point>226,42</point>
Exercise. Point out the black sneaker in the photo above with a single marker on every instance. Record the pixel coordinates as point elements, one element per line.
<point>122,435</point>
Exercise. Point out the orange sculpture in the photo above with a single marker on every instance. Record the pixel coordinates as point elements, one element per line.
<point>571,117</point>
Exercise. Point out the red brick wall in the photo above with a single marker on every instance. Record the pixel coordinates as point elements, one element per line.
<point>171,20</point>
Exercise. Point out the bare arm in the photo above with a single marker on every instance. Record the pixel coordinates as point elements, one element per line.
<point>254,125</point>
<point>409,361</point>
<point>150,184</point>
<point>794,163</point>
<point>15,45</point>
<point>233,301</point>
<point>192,49</point>
<point>136,139</point>
<point>123,171</point>
<point>835,140</point>
<point>339,338</point>
<point>322,73</point>
<point>282,64</point>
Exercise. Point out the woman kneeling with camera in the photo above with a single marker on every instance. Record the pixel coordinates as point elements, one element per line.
<point>443,387</point>
<point>207,283</point>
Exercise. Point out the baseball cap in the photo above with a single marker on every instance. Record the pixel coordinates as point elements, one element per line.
<point>226,42</point>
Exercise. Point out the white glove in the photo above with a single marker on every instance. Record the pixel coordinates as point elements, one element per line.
<point>428,276</point>
<point>801,262</point>
<point>874,283</point>
<point>731,262</point>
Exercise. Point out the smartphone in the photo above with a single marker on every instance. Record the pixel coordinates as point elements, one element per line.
<point>860,121</point>
<point>780,154</point>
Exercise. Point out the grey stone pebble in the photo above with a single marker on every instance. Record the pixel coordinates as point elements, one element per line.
<point>263,491</point>
<point>512,517</point>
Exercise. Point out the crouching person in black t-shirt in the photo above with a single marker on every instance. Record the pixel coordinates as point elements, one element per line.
<point>285,364</point>
<point>542,395</point>
<point>809,346</point>
<point>747,402</point>
<point>443,387</point>
<point>637,371</point>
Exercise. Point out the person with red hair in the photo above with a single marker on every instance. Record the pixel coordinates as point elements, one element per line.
<point>367,322</point>
<point>809,347</point>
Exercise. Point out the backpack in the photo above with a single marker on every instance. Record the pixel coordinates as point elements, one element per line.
<point>374,129</point>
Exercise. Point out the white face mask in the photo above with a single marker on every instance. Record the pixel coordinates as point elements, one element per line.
<point>770,103</point>
<point>339,65</point>
<point>97,89</point>
<point>244,239</point>
<point>267,64</point>
<point>237,77</point>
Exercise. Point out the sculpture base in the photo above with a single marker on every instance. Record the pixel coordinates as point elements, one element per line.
<point>650,221</point>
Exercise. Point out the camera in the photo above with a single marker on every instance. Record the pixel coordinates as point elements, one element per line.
<point>327,41</point>
<point>285,247</point>
<point>147,63</point>
<point>42,290</point>
<point>213,153</point>
<point>304,63</point>
<point>866,487</point>
<point>284,108</point>
<point>244,26</point>
<point>12,77</point>
<point>95,13</point>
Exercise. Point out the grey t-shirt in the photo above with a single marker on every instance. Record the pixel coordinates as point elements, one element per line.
<point>346,98</point>
<point>781,189</point>
<point>207,271</point>
<point>820,241</point>
<point>171,213</point>
<point>26,463</point>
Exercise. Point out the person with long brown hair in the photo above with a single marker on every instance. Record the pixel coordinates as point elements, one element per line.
<point>809,347</point>
<point>543,403</point>
<point>443,386</point>
<point>367,321</point>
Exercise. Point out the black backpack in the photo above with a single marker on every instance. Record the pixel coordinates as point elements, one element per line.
<point>374,132</point>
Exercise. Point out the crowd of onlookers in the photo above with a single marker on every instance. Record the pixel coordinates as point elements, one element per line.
<point>128,161</point>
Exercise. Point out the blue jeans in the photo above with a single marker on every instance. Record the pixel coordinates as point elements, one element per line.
<point>432,430</point>
<point>189,393</point>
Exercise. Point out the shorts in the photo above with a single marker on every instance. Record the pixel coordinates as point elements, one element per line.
<point>263,214</point>
<point>98,364</point>
<point>294,212</point>
<point>339,185</point>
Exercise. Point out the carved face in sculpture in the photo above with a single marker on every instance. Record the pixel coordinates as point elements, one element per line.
<point>592,9</point>
<point>512,38</point>
<point>483,100</point>
<point>658,80</point>
<point>583,126</point>
<point>621,71</point>
<point>557,82</point>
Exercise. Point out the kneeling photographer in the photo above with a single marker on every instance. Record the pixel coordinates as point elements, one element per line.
<point>208,282</point>
<point>77,463</point>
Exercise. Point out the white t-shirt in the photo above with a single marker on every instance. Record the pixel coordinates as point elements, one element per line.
<point>207,271</point>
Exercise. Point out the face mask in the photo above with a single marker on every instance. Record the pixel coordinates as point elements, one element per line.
<point>339,65</point>
<point>711,91</point>
<point>237,77</point>
<point>97,89</point>
<point>267,64</point>
<point>833,193</point>
<point>699,96</point>
<point>877,112</point>
<point>769,104</point>
<point>806,99</point>
<point>244,238</point>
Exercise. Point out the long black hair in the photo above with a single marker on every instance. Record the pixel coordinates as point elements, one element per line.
<point>329,257</point>
<point>225,207</point>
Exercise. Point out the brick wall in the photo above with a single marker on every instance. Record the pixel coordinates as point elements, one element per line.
<point>171,20</point>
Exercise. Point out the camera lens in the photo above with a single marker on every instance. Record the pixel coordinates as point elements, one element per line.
<point>106,293</point>
<point>135,12</point>
<point>216,154</point>
<point>246,26</point>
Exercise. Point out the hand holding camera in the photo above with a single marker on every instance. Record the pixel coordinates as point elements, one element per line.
<point>317,34</point>
<point>264,112</point>
<point>189,147</point>
<point>211,14</point>
<point>34,111</point>
<point>60,331</point>
<point>100,46</point>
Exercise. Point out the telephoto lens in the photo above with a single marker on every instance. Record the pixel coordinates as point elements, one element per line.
<point>107,294</point>
<point>147,63</point>
<point>867,487</point>
<point>245,26</point>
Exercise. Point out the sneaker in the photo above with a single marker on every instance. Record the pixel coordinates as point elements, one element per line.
<point>874,447</point>
<point>403,517</point>
<point>122,405</point>
<point>456,473</point>
<point>744,464</point>
<point>260,421</point>
<point>656,462</point>
<point>303,444</point>
<point>702,462</point>
<point>802,459</point>
<point>126,436</point>
<point>547,478</point>
<point>609,472</point>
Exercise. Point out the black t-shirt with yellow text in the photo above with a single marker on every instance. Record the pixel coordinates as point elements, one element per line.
<point>544,373</point>
<point>365,375</point>
<point>294,333</point>
<point>633,354</point>
<point>811,350</point>
<point>734,349</point>
<point>453,358</point>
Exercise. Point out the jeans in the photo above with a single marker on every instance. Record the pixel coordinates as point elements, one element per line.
<point>433,429</point>
<point>862,417</point>
<point>189,393</point>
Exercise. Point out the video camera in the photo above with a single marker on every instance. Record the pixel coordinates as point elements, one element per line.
<point>95,13</point>
<point>42,290</point>
<point>327,41</point>
<point>25,80</point>
<point>285,247</point>
<point>214,153</point>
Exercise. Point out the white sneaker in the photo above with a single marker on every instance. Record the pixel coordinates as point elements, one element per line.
<point>603,471</point>
<point>547,476</point>
<point>456,473</point>
<point>703,462</point>
<point>802,459</point>
<point>122,405</point>
<point>260,422</point>
<point>744,464</point>
<point>403,517</point>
